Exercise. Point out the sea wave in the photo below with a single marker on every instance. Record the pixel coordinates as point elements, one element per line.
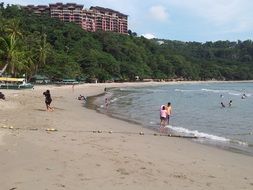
<point>214,90</point>
<point>185,90</point>
<point>198,134</point>
<point>113,100</point>
<point>235,94</point>
<point>143,90</point>
<point>239,142</point>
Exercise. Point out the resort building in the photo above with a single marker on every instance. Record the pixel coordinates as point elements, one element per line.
<point>40,9</point>
<point>93,19</point>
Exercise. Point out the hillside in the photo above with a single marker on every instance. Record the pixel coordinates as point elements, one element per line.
<point>32,44</point>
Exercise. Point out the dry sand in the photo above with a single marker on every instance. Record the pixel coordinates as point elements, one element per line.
<point>75,158</point>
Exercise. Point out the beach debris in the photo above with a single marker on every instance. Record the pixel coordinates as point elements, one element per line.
<point>33,129</point>
<point>110,132</point>
<point>13,188</point>
<point>4,126</point>
<point>51,129</point>
<point>141,133</point>
<point>99,131</point>
<point>94,131</point>
<point>169,135</point>
<point>155,134</point>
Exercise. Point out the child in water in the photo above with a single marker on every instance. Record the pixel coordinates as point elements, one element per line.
<point>230,103</point>
<point>106,103</point>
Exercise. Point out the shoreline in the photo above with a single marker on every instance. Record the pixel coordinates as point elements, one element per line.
<point>75,157</point>
<point>235,148</point>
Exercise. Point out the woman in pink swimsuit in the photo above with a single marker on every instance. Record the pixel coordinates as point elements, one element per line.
<point>163,118</point>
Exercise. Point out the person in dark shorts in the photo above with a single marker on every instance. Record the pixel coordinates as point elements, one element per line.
<point>48,100</point>
<point>169,112</point>
<point>2,96</point>
<point>81,97</point>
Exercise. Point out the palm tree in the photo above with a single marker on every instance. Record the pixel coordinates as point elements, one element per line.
<point>13,29</point>
<point>43,50</point>
<point>8,51</point>
<point>25,64</point>
<point>9,47</point>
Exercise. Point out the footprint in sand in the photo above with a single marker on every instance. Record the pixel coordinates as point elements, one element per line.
<point>122,171</point>
<point>179,176</point>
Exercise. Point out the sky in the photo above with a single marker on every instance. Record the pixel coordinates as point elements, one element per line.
<point>183,20</point>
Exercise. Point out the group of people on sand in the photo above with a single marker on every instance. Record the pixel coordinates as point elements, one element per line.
<point>165,113</point>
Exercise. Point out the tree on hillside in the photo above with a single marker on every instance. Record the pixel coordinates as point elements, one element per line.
<point>43,51</point>
<point>9,45</point>
<point>8,52</point>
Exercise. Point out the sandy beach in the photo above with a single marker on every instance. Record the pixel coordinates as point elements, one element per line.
<point>75,157</point>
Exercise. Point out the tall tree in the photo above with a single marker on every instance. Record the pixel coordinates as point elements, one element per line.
<point>8,52</point>
<point>9,45</point>
<point>43,50</point>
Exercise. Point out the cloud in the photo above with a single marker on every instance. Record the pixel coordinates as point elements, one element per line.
<point>159,13</point>
<point>149,36</point>
<point>226,16</point>
<point>216,11</point>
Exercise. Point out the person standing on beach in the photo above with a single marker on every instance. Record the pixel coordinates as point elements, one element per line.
<point>2,96</point>
<point>48,100</point>
<point>169,111</point>
<point>106,103</point>
<point>163,118</point>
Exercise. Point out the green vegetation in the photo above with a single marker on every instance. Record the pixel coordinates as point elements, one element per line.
<point>31,44</point>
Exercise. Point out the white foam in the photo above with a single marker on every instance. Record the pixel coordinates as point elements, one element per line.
<point>184,90</point>
<point>198,134</point>
<point>114,99</point>
<point>243,143</point>
<point>234,94</point>
<point>215,91</point>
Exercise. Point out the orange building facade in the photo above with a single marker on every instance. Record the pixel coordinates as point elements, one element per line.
<point>93,19</point>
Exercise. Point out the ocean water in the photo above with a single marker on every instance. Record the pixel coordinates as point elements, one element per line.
<point>196,111</point>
